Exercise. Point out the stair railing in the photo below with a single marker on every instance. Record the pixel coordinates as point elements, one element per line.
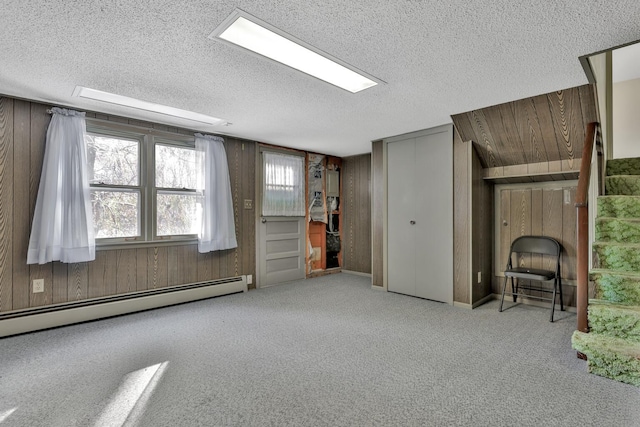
<point>592,141</point>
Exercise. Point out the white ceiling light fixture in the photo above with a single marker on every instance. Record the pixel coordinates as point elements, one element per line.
<point>251,33</point>
<point>112,98</point>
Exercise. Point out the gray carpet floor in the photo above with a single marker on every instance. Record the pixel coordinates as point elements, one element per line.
<point>328,351</point>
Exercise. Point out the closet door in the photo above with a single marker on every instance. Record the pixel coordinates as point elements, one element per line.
<point>434,216</point>
<point>420,214</point>
<point>401,216</point>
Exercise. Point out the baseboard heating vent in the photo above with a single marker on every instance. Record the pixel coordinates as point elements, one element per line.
<point>37,318</point>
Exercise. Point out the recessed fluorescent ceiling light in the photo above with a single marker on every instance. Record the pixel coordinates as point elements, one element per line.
<point>250,33</point>
<point>98,95</point>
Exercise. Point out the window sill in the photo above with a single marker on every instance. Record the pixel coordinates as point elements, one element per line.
<point>136,244</point>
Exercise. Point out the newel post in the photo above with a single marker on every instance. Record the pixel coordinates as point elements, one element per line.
<point>582,273</point>
<point>582,250</point>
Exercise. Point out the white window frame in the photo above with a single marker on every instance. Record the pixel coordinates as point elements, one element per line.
<point>167,190</point>
<point>148,138</point>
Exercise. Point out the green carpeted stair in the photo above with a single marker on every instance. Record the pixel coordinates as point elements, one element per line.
<point>613,344</point>
<point>616,286</point>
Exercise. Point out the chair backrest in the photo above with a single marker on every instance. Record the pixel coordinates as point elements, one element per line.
<point>536,245</point>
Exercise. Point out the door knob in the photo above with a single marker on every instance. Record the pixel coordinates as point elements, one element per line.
<point>505,223</point>
<point>412,222</point>
<point>263,220</point>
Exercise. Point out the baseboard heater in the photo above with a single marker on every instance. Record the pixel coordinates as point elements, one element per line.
<point>37,318</point>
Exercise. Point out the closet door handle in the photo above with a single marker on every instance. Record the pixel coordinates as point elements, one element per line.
<point>412,222</point>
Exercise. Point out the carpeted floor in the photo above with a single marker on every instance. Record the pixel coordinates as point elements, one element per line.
<point>328,351</point>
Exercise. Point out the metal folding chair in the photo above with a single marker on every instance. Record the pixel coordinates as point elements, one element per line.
<point>534,245</point>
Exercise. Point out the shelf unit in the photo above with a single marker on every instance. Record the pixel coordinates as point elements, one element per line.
<point>321,259</point>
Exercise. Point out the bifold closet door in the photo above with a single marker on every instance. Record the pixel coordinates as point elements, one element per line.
<point>434,206</point>
<point>401,217</point>
<point>420,215</point>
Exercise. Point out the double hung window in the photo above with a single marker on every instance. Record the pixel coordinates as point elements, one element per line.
<point>178,204</point>
<point>143,184</point>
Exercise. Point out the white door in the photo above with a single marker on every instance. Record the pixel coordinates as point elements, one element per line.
<point>281,231</point>
<point>434,204</point>
<point>282,251</point>
<point>401,217</point>
<point>420,215</point>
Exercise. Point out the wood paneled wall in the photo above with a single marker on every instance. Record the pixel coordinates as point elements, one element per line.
<point>377,209</point>
<point>540,129</point>
<point>462,152</point>
<point>473,225</point>
<point>482,218</point>
<point>356,208</point>
<point>536,210</point>
<point>23,127</point>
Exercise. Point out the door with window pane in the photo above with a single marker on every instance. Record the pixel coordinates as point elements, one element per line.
<point>281,253</point>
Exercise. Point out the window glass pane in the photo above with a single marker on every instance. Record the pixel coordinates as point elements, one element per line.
<point>283,185</point>
<point>175,167</point>
<point>112,160</point>
<point>116,213</point>
<point>178,213</point>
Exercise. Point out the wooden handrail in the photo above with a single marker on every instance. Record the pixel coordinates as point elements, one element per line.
<point>582,251</point>
<point>585,165</point>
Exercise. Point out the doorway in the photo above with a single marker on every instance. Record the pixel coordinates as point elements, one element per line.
<point>281,232</point>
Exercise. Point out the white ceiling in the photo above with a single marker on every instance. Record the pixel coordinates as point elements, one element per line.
<point>437,57</point>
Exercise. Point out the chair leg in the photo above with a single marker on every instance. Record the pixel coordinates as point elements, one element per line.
<point>553,301</point>
<point>504,287</point>
<point>560,289</point>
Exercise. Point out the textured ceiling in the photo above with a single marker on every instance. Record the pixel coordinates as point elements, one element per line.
<point>438,58</point>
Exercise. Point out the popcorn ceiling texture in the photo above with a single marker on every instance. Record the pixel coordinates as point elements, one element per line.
<point>438,58</point>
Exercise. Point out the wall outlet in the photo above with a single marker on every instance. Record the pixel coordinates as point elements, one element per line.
<point>249,279</point>
<point>38,285</point>
<point>248,204</point>
<point>479,276</point>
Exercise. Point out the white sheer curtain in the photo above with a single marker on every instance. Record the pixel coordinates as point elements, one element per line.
<point>283,185</point>
<point>218,231</point>
<point>62,227</point>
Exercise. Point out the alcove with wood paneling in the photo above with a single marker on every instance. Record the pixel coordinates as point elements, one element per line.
<point>530,150</point>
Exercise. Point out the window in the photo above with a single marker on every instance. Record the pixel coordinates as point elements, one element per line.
<point>114,175</point>
<point>283,185</point>
<point>143,184</point>
<point>179,205</point>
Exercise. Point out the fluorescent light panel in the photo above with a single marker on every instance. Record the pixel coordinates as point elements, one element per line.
<point>112,98</point>
<point>250,33</point>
